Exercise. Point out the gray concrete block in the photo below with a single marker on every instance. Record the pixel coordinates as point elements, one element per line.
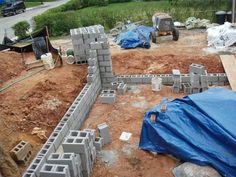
<point>90,78</point>
<point>187,88</point>
<point>175,89</point>
<point>98,143</point>
<point>53,170</point>
<point>104,132</point>
<point>104,52</point>
<point>213,77</point>
<point>176,73</point>
<point>92,132</point>
<point>222,77</point>
<point>92,69</point>
<point>93,54</point>
<point>29,174</point>
<point>95,45</point>
<point>185,77</point>
<point>196,68</point>
<point>92,62</point>
<point>65,159</point>
<point>196,90</point>
<point>108,98</point>
<point>121,89</point>
<point>105,63</point>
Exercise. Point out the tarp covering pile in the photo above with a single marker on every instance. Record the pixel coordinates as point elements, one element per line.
<point>221,36</point>
<point>138,36</point>
<point>198,128</point>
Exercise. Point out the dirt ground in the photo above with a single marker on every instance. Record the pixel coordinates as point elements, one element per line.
<point>41,100</point>
<point>162,58</point>
<point>126,160</point>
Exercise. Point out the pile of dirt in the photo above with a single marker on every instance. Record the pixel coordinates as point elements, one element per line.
<point>140,62</point>
<point>10,66</point>
<point>8,167</point>
<point>39,101</point>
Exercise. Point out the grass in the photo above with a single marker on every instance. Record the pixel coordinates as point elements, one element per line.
<point>109,15</point>
<point>32,4</point>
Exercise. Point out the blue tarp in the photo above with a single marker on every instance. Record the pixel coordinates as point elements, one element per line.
<point>135,37</point>
<point>200,128</point>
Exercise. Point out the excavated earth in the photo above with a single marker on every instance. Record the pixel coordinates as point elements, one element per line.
<point>41,101</point>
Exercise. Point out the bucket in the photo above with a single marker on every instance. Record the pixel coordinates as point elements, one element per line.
<point>229,16</point>
<point>156,84</point>
<point>48,61</point>
<point>220,17</point>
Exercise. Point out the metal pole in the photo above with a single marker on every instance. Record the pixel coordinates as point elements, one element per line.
<point>233,10</point>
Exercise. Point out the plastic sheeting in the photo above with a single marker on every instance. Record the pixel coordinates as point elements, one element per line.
<point>221,36</point>
<point>200,128</point>
<point>136,37</point>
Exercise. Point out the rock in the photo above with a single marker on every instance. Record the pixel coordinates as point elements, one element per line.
<point>188,169</point>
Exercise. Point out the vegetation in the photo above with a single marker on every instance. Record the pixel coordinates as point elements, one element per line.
<point>21,29</point>
<point>76,13</point>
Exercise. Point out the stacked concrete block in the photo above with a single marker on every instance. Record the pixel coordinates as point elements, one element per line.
<point>105,64</point>
<point>196,69</point>
<point>82,143</point>
<point>81,39</point>
<point>187,88</point>
<point>21,152</point>
<point>69,159</point>
<point>104,133</point>
<point>204,81</point>
<point>35,167</point>
<point>54,170</point>
<point>108,96</point>
<point>177,81</point>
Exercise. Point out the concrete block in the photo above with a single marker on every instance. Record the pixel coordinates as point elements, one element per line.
<point>105,63</point>
<point>195,80</point>
<point>196,68</point>
<point>121,89</point>
<point>95,45</point>
<point>22,151</point>
<point>92,69</point>
<point>187,88</point>
<point>108,98</point>
<point>104,52</point>
<point>92,133</point>
<point>137,79</point>
<point>93,54</point>
<point>29,174</point>
<point>176,73</point>
<point>196,90</point>
<point>92,62</point>
<point>175,89</point>
<point>53,170</point>
<point>90,78</point>
<point>185,77</point>
<point>222,77</point>
<point>104,132</point>
<point>98,143</point>
<point>213,77</point>
<point>65,159</point>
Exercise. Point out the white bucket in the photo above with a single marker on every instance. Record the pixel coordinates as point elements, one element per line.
<point>156,84</point>
<point>48,61</point>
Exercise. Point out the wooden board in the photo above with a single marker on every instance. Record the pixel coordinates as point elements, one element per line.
<point>229,64</point>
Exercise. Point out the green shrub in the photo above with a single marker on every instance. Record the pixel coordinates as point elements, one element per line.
<point>21,28</point>
<point>58,23</point>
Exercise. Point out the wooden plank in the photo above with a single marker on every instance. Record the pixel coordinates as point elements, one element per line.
<point>229,64</point>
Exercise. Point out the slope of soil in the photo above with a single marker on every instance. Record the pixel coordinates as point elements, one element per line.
<point>10,66</point>
<point>39,101</point>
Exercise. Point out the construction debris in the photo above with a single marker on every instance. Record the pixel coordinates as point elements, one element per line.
<point>193,22</point>
<point>222,36</point>
<point>39,132</point>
